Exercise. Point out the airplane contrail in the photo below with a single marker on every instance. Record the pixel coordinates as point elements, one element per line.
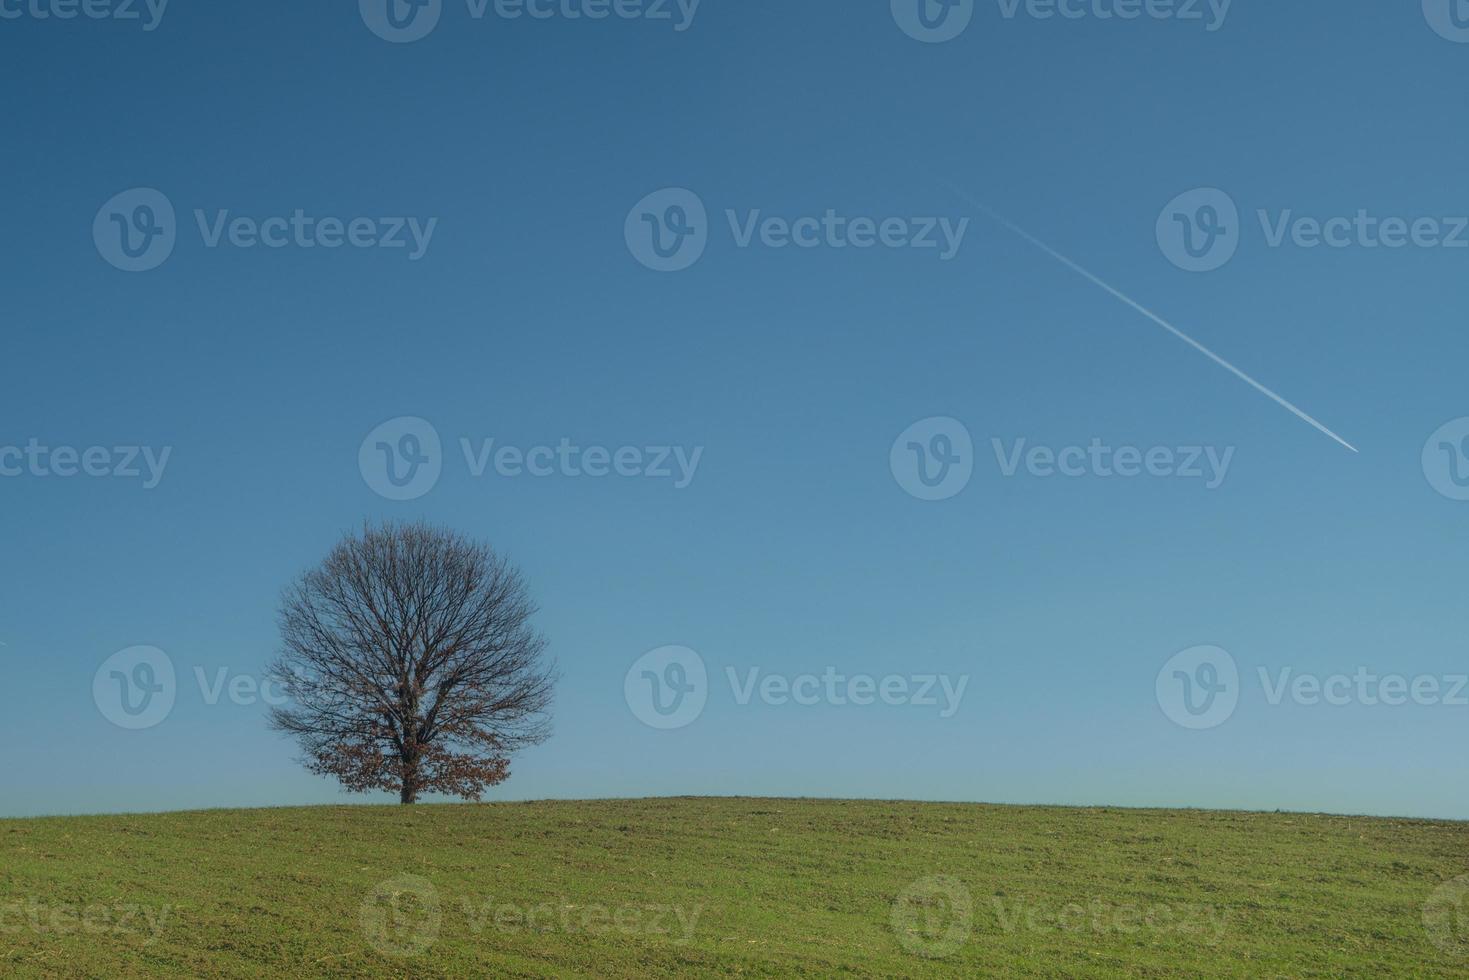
<point>1118,294</point>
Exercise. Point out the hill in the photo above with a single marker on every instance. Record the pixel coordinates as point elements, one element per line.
<point>731,887</point>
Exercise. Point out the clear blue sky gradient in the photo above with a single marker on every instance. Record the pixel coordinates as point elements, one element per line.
<point>794,549</point>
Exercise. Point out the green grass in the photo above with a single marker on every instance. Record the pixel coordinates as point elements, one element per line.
<point>728,887</point>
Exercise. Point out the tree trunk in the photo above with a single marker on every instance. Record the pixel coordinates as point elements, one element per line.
<point>409,793</point>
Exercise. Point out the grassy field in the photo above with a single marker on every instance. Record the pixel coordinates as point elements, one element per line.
<point>731,887</point>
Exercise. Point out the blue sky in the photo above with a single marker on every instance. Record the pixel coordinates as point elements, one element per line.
<point>796,546</point>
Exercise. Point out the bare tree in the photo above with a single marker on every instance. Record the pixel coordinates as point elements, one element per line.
<point>411,665</point>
